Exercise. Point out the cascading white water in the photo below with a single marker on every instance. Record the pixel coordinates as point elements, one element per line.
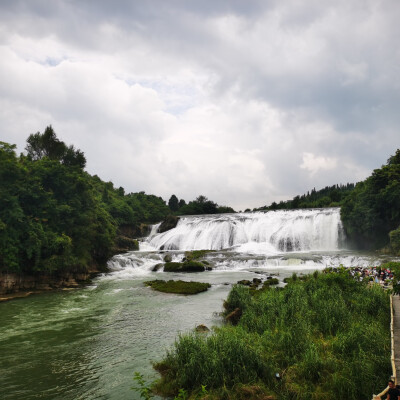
<point>273,231</point>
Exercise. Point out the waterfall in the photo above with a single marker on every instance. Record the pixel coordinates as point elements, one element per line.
<point>267,232</point>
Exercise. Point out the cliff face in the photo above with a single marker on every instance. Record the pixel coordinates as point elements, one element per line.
<point>14,283</point>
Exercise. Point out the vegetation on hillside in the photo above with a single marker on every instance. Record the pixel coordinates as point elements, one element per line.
<point>371,213</point>
<point>324,337</point>
<point>329,196</point>
<point>54,216</point>
<point>370,210</point>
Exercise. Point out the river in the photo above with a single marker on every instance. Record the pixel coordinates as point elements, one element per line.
<point>87,343</point>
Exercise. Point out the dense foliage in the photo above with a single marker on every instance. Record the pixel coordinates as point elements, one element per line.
<point>326,336</point>
<point>54,216</point>
<point>329,196</point>
<point>372,211</point>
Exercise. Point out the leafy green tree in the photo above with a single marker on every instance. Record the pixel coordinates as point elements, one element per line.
<point>46,144</point>
<point>394,160</point>
<point>182,203</point>
<point>74,158</point>
<point>173,203</point>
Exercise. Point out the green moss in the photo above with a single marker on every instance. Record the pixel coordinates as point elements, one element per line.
<point>126,243</point>
<point>172,266</point>
<point>187,266</point>
<point>178,287</point>
<point>195,254</point>
<point>269,282</point>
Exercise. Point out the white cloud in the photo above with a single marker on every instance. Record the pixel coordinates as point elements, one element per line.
<point>313,163</point>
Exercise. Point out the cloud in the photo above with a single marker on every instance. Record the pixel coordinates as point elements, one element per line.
<point>313,163</point>
<point>244,102</point>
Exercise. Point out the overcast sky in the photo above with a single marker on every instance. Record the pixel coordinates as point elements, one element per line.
<point>245,102</point>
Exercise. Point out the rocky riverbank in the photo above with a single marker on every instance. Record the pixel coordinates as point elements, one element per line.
<point>21,285</point>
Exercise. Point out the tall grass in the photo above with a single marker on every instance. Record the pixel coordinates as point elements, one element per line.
<point>327,336</point>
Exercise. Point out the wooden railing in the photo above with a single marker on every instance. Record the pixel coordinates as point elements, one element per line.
<point>394,375</point>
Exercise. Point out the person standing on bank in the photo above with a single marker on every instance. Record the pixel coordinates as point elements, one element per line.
<point>392,392</point>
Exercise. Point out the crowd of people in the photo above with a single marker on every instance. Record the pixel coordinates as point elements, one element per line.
<point>376,274</point>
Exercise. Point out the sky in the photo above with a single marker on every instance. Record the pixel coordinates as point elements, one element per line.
<point>244,102</point>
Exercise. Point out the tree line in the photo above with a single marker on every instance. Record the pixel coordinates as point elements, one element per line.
<point>201,205</point>
<point>329,196</point>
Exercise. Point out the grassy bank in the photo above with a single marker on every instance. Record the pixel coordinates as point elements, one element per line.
<point>327,337</point>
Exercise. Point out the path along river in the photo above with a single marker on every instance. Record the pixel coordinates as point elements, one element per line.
<point>87,343</point>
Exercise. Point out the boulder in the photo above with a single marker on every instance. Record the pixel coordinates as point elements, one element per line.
<point>134,231</point>
<point>245,282</point>
<point>187,266</point>
<point>271,281</point>
<point>168,258</point>
<point>157,267</point>
<point>124,243</point>
<point>202,329</point>
<point>169,222</point>
<point>234,316</point>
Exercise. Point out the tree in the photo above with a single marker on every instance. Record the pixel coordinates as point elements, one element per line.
<point>182,203</point>
<point>73,158</point>
<point>394,159</point>
<point>41,145</point>
<point>45,145</point>
<point>173,203</point>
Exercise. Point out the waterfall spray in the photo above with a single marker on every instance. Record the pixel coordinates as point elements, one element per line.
<point>273,231</point>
